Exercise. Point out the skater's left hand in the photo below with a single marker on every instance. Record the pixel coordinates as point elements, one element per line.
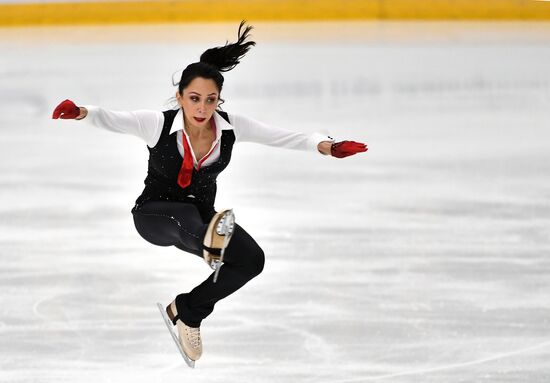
<point>347,148</point>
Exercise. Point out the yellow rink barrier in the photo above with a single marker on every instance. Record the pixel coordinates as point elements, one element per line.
<point>185,11</point>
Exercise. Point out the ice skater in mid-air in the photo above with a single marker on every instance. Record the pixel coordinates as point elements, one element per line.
<point>188,148</point>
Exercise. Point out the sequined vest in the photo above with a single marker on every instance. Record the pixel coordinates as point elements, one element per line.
<point>164,165</point>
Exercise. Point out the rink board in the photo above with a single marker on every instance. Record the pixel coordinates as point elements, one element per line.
<point>15,13</point>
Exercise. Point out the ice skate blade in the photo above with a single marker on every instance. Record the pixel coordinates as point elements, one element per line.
<point>217,236</point>
<point>190,362</point>
<point>227,230</point>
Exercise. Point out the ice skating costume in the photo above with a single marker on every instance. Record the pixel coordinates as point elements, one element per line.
<point>162,175</point>
<point>167,214</point>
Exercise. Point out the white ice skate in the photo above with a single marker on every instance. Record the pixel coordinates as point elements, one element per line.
<point>189,342</point>
<point>219,233</point>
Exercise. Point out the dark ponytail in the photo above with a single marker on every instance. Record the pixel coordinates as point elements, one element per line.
<point>227,57</point>
<point>219,59</point>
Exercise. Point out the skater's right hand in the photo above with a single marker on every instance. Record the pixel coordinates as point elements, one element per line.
<point>66,110</point>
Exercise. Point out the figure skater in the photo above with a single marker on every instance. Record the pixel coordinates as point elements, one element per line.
<point>188,148</point>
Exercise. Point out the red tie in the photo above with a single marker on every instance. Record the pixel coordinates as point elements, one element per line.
<point>186,170</point>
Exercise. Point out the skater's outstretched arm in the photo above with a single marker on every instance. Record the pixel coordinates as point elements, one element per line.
<point>145,124</point>
<point>250,130</point>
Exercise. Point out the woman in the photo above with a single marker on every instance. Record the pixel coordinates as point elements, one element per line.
<point>188,148</point>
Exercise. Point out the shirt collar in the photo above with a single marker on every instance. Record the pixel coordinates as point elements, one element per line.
<point>221,124</point>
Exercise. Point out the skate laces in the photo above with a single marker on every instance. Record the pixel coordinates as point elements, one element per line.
<point>194,336</point>
<point>222,228</point>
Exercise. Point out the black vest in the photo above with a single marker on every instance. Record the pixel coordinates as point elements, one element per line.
<point>165,162</point>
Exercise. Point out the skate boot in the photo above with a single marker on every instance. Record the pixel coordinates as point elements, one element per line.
<point>189,337</point>
<point>218,235</point>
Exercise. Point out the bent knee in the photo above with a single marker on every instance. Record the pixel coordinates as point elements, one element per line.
<point>256,264</point>
<point>260,261</point>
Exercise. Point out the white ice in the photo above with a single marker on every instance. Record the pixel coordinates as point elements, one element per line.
<point>425,259</point>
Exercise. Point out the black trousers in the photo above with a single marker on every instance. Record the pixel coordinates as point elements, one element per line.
<point>180,224</point>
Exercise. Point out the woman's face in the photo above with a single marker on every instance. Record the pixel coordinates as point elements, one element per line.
<point>199,101</point>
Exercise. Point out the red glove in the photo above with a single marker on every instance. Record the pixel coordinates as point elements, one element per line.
<point>66,110</point>
<point>347,148</point>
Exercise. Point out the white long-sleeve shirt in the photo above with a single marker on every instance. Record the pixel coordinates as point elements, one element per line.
<point>148,124</point>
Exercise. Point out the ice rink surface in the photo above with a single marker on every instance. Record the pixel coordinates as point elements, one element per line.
<point>424,260</point>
